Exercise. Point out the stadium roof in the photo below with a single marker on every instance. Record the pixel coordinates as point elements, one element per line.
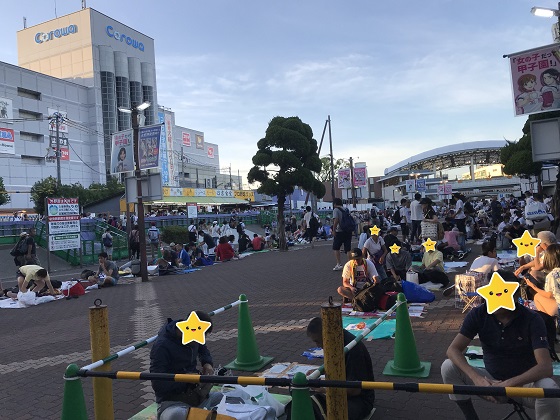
<point>485,152</point>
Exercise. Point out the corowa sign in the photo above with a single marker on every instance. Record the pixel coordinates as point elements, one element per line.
<point>124,38</point>
<point>41,37</point>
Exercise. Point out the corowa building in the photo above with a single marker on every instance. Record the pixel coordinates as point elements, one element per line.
<point>91,49</point>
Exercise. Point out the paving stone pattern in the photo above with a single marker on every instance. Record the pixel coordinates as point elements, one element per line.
<point>285,290</point>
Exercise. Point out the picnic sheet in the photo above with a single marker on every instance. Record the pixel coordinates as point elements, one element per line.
<point>14,304</point>
<point>480,362</point>
<point>415,310</point>
<point>355,324</point>
<point>286,370</point>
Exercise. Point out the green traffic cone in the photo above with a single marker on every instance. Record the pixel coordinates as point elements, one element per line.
<point>302,408</point>
<point>248,357</point>
<point>73,403</point>
<point>406,362</point>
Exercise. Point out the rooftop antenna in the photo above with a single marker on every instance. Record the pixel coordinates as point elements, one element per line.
<point>84,4</point>
<point>24,22</point>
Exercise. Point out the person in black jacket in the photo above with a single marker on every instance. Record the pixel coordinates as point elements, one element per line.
<point>169,355</point>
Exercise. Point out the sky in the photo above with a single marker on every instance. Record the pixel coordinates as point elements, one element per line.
<point>397,77</point>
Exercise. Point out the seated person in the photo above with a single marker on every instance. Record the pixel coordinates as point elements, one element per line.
<point>515,231</point>
<point>243,242</point>
<point>169,355</point>
<point>35,277</point>
<point>536,264</point>
<point>450,238</point>
<point>363,236</point>
<point>432,268</point>
<point>399,263</point>
<point>195,251</point>
<point>358,272</point>
<point>258,243</point>
<point>183,256</point>
<point>391,237</point>
<point>548,300</point>
<point>107,273</point>
<point>359,367</point>
<point>224,251</point>
<point>487,263</point>
<point>508,360</point>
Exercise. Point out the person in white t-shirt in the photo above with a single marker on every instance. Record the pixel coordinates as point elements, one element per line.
<point>487,262</point>
<point>358,273</point>
<point>404,214</point>
<point>416,217</point>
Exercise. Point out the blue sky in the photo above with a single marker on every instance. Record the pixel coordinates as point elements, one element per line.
<point>397,77</point>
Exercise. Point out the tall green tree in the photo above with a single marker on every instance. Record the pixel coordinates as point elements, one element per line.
<point>286,158</point>
<point>325,174</point>
<point>42,189</point>
<point>4,196</point>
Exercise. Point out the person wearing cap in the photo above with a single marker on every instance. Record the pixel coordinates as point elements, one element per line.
<point>357,273</point>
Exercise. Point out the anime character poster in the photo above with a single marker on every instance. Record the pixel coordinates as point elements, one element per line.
<point>149,139</point>
<point>122,152</point>
<point>535,76</point>
<point>344,178</point>
<point>360,176</point>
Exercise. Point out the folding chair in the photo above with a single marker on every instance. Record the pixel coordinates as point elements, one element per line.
<point>466,284</point>
<point>519,409</point>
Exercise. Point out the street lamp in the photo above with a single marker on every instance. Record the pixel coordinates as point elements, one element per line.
<point>546,12</point>
<point>135,110</point>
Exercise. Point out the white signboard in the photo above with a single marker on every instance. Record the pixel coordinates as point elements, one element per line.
<point>6,111</point>
<point>63,207</point>
<point>192,211</point>
<point>410,185</point>
<point>63,224</point>
<point>62,242</point>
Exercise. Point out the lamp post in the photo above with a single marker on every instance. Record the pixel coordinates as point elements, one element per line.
<point>135,110</point>
<point>546,12</point>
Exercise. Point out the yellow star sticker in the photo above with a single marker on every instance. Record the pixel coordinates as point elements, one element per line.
<point>429,245</point>
<point>374,230</point>
<point>498,293</point>
<point>193,329</point>
<point>395,249</point>
<point>526,245</point>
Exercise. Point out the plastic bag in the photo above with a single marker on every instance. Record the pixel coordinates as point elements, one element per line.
<point>412,276</point>
<point>416,294</point>
<point>253,403</point>
<point>30,299</point>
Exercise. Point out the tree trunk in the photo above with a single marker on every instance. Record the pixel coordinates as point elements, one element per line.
<point>282,245</point>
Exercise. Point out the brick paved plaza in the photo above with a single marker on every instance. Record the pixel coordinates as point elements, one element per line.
<point>284,290</point>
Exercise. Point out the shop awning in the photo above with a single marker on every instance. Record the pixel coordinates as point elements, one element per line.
<point>215,201</point>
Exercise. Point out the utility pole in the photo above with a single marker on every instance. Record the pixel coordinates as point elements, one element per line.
<point>332,159</point>
<point>57,117</point>
<point>352,183</point>
<point>140,200</point>
<point>230,179</point>
<point>239,179</point>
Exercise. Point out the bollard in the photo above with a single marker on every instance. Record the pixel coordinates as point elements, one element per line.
<point>335,368</point>
<point>302,409</point>
<point>73,403</point>
<point>101,348</point>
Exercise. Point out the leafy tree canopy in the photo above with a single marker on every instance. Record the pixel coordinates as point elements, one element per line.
<point>4,196</point>
<point>325,175</point>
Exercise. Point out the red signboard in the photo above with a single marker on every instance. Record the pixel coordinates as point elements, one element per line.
<point>186,139</point>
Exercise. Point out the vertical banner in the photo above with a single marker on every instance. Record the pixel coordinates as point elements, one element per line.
<point>199,141</point>
<point>122,152</point>
<point>360,177</point>
<point>62,134</point>
<point>7,141</point>
<point>149,139</point>
<point>448,188</point>
<point>535,76</point>
<point>186,139</point>
<point>163,152</point>
<point>410,185</point>
<point>210,152</point>
<point>344,178</point>
<point>169,140</point>
<point>421,185</point>
<point>6,110</point>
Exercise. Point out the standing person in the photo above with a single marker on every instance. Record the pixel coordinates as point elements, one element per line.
<point>215,231</point>
<point>515,355</point>
<point>193,232</point>
<point>169,355</point>
<point>460,216</point>
<point>205,241</point>
<point>341,237</point>
<point>30,257</point>
<point>311,221</point>
<point>405,219</point>
<point>107,240</point>
<point>154,238</point>
<point>429,222</point>
<point>416,218</point>
<point>134,243</point>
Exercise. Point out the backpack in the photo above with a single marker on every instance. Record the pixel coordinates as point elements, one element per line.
<point>313,222</point>
<point>153,235</point>
<point>107,241</point>
<point>19,248</point>
<point>366,299</point>
<point>134,238</point>
<point>468,208</point>
<point>347,223</point>
<point>397,216</point>
<point>210,242</point>
<point>240,228</point>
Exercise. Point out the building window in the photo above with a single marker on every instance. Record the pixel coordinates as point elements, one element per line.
<point>30,115</point>
<point>25,136</point>
<point>26,93</point>
<point>32,160</point>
